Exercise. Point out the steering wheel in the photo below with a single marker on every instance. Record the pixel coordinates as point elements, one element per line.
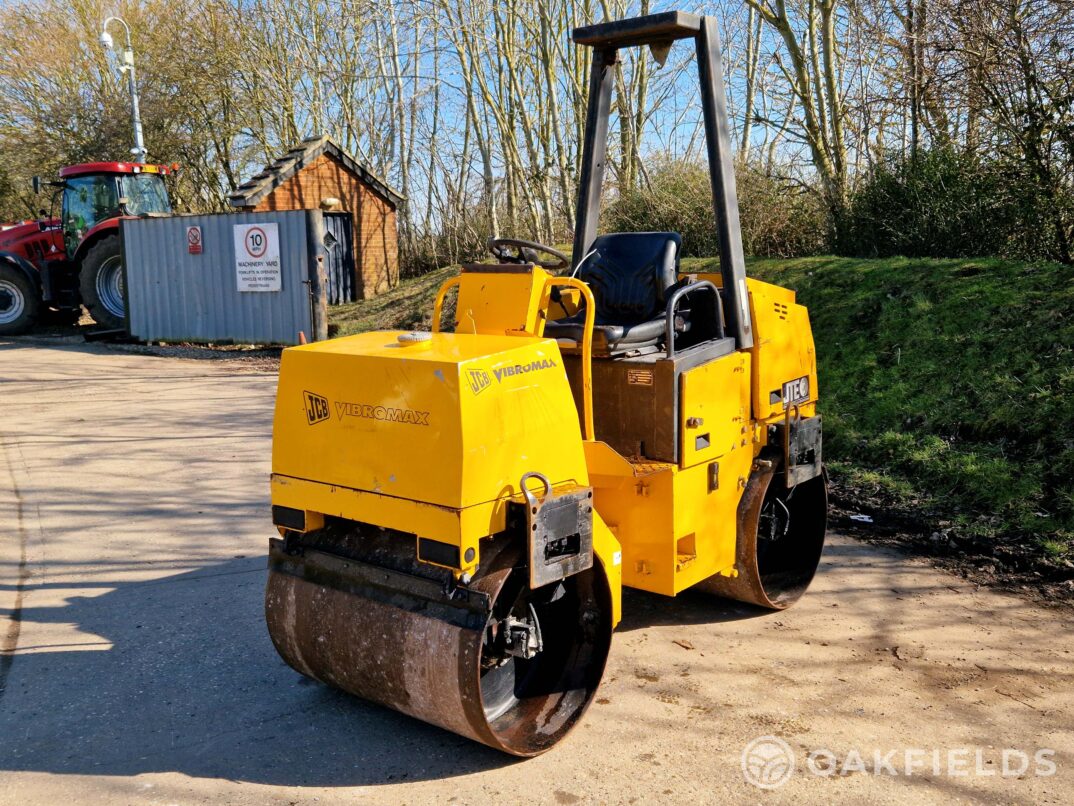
<point>512,250</point>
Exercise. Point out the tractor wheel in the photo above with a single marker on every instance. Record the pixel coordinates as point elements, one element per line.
<point>19,301</point>
<point>101,283</point>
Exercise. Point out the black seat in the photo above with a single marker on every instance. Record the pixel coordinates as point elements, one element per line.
<point>629,274</point>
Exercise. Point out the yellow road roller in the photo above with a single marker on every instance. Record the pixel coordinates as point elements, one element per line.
<point>459,509</point>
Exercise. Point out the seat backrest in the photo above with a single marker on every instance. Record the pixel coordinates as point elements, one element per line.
<point>629,272</point>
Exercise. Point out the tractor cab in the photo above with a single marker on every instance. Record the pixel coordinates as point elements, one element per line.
<point>99,191</point>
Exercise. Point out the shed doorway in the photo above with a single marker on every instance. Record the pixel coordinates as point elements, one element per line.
<point>339,257</point>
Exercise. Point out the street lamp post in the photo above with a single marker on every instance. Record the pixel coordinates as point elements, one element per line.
<point>127,66</point>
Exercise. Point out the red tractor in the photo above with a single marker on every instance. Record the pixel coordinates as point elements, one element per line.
<point>59,265</point>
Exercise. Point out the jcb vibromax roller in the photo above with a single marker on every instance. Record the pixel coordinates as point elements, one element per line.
<point>460,510</point>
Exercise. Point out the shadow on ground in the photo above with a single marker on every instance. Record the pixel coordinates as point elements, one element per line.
<point>184,678</point>
<point>192,684</point>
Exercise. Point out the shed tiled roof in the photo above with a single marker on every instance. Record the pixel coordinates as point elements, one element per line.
<point>257,187</point>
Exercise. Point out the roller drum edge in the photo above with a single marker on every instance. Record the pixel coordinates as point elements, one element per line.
<point>370,640</point>
<point>776,559</point>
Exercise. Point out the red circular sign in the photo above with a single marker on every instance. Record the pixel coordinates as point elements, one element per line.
<point>193,235</point>
<point>256,242</point>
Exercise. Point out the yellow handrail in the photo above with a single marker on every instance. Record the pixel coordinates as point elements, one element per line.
<point>587,347</point>
<point>438,306</point>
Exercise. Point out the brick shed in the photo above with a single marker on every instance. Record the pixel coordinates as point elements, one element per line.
<point>319,169</point>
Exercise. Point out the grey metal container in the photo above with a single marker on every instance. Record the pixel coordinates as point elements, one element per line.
<point>175,293</point>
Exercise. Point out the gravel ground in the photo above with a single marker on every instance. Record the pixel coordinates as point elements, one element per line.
<point>240,357</point>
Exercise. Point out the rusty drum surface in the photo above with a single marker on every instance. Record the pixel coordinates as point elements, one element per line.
<point>780,540</point>
<point>359,613</point>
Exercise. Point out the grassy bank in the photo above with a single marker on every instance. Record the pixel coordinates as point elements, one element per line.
<point>407,306</point>
<point>946,387</point>
<point>947,390</point>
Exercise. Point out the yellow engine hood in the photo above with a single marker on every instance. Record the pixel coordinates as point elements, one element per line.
<point>453,421</point>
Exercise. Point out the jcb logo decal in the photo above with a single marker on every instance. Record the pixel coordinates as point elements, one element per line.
<point>479,380</point>
<point>316,408</point>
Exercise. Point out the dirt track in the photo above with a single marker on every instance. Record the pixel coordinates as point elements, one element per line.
<point>136,667</point>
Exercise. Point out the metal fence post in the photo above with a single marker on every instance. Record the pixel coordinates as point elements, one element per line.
<point>318,279</point>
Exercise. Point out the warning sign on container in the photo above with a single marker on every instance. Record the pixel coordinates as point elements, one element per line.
<point>193,240</point>
<point>257,257</point>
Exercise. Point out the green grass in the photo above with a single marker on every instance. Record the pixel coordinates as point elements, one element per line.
<point>947,386</point>
<point>408,306</point>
